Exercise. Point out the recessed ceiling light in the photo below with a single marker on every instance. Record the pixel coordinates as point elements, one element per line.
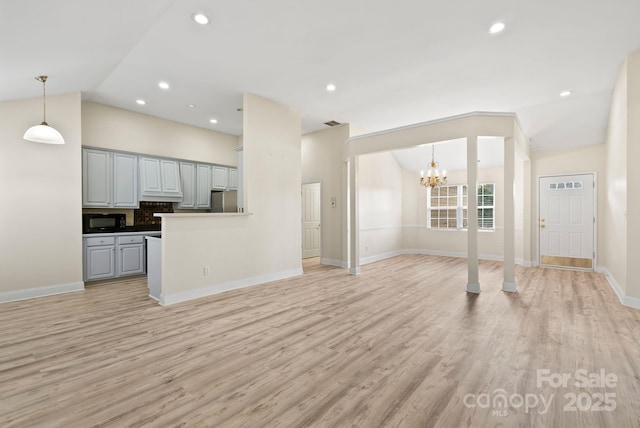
<point>565,93</point>
<point>497,27</point>
<point>191,105</point>
<point>331,87</point>
<point>141,102</point>
<point>214,121</point>
<point>200,19</point>
<point>163,85</point>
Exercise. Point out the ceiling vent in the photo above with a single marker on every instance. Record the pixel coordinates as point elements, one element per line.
<point>332,123</point>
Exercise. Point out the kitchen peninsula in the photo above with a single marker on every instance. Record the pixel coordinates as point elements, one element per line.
<point>157,271</point>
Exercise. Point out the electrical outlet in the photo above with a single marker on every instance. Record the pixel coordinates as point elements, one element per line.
<point>206,271</point>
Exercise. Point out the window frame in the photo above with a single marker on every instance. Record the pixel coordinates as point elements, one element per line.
<point>461,220</point>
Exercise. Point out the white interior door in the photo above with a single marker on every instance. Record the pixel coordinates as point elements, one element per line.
<point>567,221</point>
<point>310,220</point>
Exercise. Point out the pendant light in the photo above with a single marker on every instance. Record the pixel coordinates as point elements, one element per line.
<point>43,133</point>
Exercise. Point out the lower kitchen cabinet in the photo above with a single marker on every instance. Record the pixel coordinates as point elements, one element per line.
<point>113,256</point>
<point>130,252</point>
<point>100,261</point>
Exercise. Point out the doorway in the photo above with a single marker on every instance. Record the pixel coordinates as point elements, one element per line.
<point>566,221</point>
<point>311,213</point>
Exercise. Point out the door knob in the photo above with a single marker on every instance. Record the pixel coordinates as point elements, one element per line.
<point>542,226</point>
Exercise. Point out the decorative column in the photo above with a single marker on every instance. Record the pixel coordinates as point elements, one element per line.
<point>354,228</point>
<point>509,283</point>
<point>473,282</point>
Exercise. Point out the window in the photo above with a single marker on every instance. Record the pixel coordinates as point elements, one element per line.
<point>486,205</point>
<point>447,207</point>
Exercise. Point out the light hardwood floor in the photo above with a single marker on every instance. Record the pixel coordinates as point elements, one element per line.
<point>400,345</point>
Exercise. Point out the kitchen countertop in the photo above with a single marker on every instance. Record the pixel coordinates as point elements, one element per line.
<point>148,232</point>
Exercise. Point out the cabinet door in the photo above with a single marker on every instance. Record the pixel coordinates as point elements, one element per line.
<point>125,180</point>
<point>100,262</point>
<point>130,259</point>
<point>188,178</point>
<point>170,172</point>
<point>150,176</point>
<point>233,179</point>
<point>220,177</point>
<point>203,197</point>
<point>96,178</point>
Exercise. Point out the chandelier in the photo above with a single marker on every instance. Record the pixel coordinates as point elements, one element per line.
<point>433,178</point>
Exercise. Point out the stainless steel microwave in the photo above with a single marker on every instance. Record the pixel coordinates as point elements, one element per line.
<point>103,223</point>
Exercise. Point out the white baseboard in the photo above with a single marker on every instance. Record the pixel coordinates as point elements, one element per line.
<point>196,293</point>
<point>354,270</point>
<point>47,290</point>
<point>632,302</point>
<point>334,262</point>
<point>381,256</point>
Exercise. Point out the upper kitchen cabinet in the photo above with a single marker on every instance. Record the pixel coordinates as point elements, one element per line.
<point>125,181</point>
<point>160,180</point>
<point>233,179</point>
<point>96,178</point>
<point>203,186</point>
<point>188,177</point>
<point>109,179</point>
<point>196,185</point>
<point>220,177</point>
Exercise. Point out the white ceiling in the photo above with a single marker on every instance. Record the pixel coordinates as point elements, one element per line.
<point>452,155</point>
<point>394,63</point>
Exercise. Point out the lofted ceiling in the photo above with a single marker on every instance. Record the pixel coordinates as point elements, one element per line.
<point>394,63</point>
<point>451,155</point>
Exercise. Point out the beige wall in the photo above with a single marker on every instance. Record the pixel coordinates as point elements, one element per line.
<point>380,208</point>
<point>570,161</point>
<point>418,237</point>
<point>633,174</point>
<point>40,227</point>
<point>322,163</point>
<point>244,250</point>
<point>113,128</point>
<point>614,242</point>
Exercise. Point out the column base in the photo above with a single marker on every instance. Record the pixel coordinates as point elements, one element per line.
<point>355,270</point>
<point>509,286</point>
<point>473,288</point>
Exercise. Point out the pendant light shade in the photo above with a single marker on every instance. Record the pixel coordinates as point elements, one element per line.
<point>43,133</point>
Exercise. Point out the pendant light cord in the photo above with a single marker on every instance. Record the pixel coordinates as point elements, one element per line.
<point>43,79</point>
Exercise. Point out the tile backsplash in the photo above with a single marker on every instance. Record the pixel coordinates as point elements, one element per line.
<point>144,214</point>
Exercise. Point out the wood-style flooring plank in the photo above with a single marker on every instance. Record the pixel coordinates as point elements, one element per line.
<point>401,345</point>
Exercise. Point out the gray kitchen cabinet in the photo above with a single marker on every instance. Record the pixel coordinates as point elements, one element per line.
<point>130,251</point>
<point>233,179</point>
<point>160,180</point>
<point>109,179</point>
<point>220,177</point>
<point>96,178</point>
<point>196,185</point>
<point>111,256</point>
<point>125,181</point>
<point>99,260</point>
<point>189,180</point>
<point>203,187</point>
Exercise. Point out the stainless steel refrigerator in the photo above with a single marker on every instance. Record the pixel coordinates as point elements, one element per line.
<point>224,201</point>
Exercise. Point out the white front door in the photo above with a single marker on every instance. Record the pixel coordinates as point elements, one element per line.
<point>310,220</point>
<point>566,221</point>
